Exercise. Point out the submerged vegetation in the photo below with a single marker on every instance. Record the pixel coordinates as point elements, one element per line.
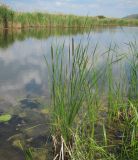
<point>12,19</point>
<point>5,118</point>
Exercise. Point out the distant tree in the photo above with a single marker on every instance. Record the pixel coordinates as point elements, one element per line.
<point>101,17</point>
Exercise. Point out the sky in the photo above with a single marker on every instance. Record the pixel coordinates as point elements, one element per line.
<point>110,8</point>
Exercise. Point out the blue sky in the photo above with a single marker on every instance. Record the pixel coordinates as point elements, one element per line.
<point>112,8</point>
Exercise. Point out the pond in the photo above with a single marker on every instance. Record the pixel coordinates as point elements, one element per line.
<point>24,91</point>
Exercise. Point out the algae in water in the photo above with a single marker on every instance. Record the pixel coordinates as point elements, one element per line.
<point>5,118</point>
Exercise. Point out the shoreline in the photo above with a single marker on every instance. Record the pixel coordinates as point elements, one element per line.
<point>64,27</point>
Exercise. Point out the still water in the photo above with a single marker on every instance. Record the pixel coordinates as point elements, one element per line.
<point>22,65</point>
<point>23,76</point>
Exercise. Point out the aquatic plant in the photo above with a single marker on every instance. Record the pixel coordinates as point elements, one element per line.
<point>77,102</point>
<point>6,16</point>
<point>5,117</point>
<point>12,19</point>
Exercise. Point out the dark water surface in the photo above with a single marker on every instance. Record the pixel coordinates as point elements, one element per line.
<point>23,77</point>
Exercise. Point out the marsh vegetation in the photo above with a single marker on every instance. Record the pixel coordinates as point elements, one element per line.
<point>12,19</point>
<point>94,112</point>
<point>88,108</point>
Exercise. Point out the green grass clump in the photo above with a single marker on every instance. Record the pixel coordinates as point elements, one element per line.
<point>68,86</point>
<point>94,114</point>
<point>133,67</point>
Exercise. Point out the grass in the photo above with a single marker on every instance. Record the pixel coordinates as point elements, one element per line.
<point>6,16</point>
<point>133,66</point>
<point>79,128</point>
<point>12,19</point>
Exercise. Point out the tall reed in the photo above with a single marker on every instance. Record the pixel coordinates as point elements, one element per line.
<point>78,104</point>
<point>12,19</point>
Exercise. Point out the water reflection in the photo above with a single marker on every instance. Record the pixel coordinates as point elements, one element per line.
<point>23,76</point>
<point>22,66</point>
<point>8,37</point>
<point>34,87</point>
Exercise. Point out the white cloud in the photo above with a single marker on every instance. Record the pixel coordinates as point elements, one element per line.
<point>93,7</point>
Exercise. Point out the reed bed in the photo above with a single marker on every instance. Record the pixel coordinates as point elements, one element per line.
<point>12,19</point>
<point>90,121</point>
